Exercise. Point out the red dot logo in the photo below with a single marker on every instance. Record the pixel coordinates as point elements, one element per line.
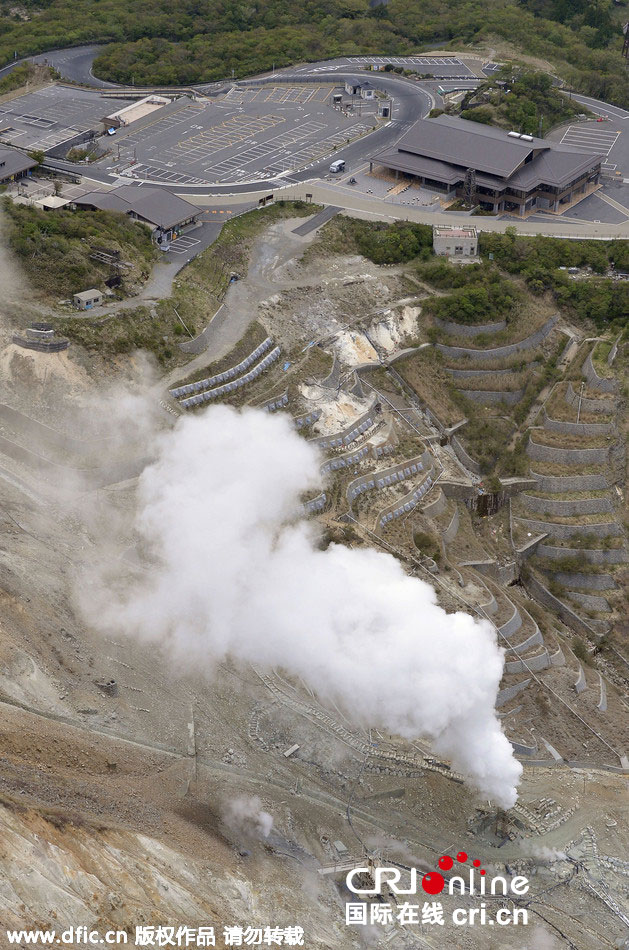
<point>461,856</point>
<point>476,863</point>
<point>445,863</point>
<point>433,883</point>
<point>483,872</point>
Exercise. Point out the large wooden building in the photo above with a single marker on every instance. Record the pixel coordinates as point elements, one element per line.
<point>500,171</point>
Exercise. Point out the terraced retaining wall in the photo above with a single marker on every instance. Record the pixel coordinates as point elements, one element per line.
<point>541,661</point>
<point>601,383</point>
<point>586,581</point>
<point>351,432</point>
<point>468,330</point>
<point>534,640</point>
<point>591,555</point>
<point>578,428</point>
<point>404,505</point>
<point>590,601</point>
<point>552,453</point>
<point>607,406</point>
<point>582,506</point>
<point>569,617</point>
<point>493,397</point>
<point>605,530</point>
<point>453,528</point>
<point>565,483</point>
<point>464,457</point>
<point>510,692</point>
<point>500,352</point>
<point>437,506</point>
<point>387,476</point>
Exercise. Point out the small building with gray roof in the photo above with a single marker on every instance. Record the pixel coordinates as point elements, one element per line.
<point>167,213</point>
<point>14,164</point>
<point>503,171</point>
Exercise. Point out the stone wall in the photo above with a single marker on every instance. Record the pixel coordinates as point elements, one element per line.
<point>534,640</point>
<point>513,624</point>
<point>510,692</point>
<point>576,506</point>
<point>578,428</point>
<point>586,581</point>
<point>500,352</point>
<point>563,531</point>
<point>464,457</point>
<point>607,406</point>
<point>590,601</point>
<point>453,528</point>
<point>552,453</point>
<point>345,461</point>
<point>437,506</point>
<point>468,330</point>
<point>493,397</point>
<point>569,617</point>
<point>541,661</point>
<point>601,383</point>
<point>565,483</point>
<point>591,555</point>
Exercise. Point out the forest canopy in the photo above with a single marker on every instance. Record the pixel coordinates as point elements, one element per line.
<point>155,41</point>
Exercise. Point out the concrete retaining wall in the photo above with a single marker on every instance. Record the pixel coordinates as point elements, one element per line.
<point>513,624</point>
<point>600,383</point>
<point>500,352</point>
<point>580,686</point>
<point>563,483</point>
<point>577,428</point>
<point>492,397</point>
<point>307,420</point>
<point>534,640</point>
<point>278,402</point>
<point>475,373</point>
<point>607,530</point>
<point>586,581</point>
<point>541,661</point>
<point>453,528</point>
<point>405,504</point>
<point>582,506</point>
<point>231,373</point>
<point>552,453</point>
<point>590,601</point>
<point>437,506</point>
<point>388,476</point>
<point>510,692</point>
<point>569,617</point>
<point>592,555</point>
<point>607,406</point>
<point>469,330</point>
<point>345,461</point>
<point>463,456</point>
<point>351,433</point>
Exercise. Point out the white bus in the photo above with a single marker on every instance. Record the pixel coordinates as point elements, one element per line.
<point>337,166</point>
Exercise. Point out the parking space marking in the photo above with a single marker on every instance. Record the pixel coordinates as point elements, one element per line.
<point>599,141</point>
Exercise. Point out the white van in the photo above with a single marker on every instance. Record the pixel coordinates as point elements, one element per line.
<point>337,166</point>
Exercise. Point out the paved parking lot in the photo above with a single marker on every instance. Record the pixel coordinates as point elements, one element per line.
<point>251,134</point>
<point>432,65</point>
<point>56,114</point>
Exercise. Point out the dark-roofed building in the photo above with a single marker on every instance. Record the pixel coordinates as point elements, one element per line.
<point>14,164</point>
<point>163,211</point>
<point>503,171</point>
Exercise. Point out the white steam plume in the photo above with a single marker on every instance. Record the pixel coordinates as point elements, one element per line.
<point>233,574</point>
<point>246,818</point>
